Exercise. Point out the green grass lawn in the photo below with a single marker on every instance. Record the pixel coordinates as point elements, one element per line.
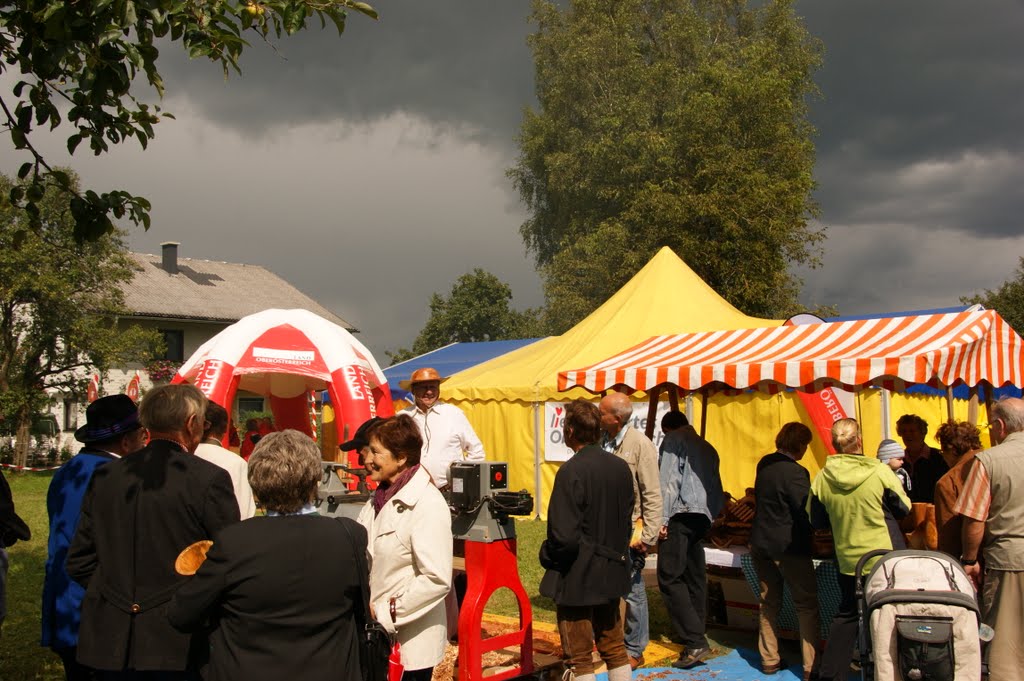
<point>22,658</point>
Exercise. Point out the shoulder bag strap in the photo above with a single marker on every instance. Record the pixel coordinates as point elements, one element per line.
<point>364,574</point>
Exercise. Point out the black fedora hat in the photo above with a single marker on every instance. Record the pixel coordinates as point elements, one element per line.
<point>108,417</point>
<point>360,439</point>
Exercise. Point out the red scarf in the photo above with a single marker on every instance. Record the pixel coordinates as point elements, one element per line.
<point>385,491</point>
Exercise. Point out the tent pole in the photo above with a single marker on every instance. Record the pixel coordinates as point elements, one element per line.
<point>972,406</point>
<point>987,387</point>
<point>652,411</point>
<point>536,460</point>
<point>703,413</point>
<point>949,403</point>
<point>886,417</point>
<point>673,397</point>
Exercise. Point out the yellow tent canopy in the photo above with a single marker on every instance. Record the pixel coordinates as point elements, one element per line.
<point>664,297</point>
<point>504,397</point>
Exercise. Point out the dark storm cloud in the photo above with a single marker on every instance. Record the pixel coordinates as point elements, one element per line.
<point>368,169</point>
<point>459,64</point>
<point>920,114</point>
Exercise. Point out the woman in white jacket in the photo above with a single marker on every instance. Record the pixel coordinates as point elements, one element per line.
<point>410,546</point>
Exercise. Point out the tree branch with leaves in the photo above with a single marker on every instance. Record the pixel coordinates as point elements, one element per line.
<point>60,307</point>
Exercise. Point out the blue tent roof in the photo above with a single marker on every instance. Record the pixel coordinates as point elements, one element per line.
<point>449,360</point>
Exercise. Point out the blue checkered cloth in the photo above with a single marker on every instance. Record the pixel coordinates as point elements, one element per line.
<point>828,594</point>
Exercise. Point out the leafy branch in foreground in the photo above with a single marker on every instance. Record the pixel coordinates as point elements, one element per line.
<point>78,62</point>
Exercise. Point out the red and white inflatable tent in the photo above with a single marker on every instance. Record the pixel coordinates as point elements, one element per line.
<point>283,354</point>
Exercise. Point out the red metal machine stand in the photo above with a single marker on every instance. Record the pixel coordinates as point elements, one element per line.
<point>491,566</point>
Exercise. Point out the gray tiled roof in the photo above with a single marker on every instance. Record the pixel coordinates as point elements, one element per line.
<point>214,291</point>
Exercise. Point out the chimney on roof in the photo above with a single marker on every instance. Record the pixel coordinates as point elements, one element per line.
<point>170,256</point>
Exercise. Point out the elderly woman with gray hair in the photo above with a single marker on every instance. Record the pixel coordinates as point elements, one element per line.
<point>282,592</point>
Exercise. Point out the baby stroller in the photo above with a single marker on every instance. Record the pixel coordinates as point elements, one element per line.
<point>919,618</point>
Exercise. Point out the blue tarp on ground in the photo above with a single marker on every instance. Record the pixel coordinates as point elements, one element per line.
<point>449,360</point>
<point>741,664</point>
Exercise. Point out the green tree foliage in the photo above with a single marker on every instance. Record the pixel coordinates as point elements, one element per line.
<point>679,123</point>
<point>75,63</point>
<point>59,305</point>
<point>1007,300</point>
<point>476,309</point>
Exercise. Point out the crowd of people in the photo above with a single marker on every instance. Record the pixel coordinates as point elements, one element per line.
<point>288,589</point>
<point>593,555</point>
<point>862,501</point>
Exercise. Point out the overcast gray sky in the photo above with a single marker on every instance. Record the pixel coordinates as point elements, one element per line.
<point>368,170</point>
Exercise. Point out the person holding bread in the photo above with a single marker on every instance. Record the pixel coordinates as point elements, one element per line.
<point>281,591</point>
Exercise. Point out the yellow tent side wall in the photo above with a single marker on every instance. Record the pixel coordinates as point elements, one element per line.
<point>507,430</point>
<point>741,427</point>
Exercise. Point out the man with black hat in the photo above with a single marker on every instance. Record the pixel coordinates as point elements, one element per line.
<point>447,434</point>
<point>112,430</point>
<point>360,442</point>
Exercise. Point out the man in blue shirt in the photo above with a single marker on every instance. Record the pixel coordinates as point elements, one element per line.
<point>691,491</point>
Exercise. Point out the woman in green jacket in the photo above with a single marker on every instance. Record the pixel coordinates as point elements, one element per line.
<point>861,499</point>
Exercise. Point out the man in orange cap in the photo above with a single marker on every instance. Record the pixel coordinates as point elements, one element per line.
<point>447,435</point>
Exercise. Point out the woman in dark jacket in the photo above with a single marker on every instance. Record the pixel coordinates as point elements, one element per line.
<point>282,592</point>
<point>780,544</point>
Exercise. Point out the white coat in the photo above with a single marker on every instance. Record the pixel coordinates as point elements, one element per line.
<point>410,556</point>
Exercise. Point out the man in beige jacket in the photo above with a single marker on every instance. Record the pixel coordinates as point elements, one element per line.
<point>640,454</point>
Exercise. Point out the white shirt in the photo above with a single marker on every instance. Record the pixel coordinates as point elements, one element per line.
<point>238,469</point>
<point>447,437</point>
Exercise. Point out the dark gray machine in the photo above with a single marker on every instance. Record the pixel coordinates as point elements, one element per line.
<point>334,498</point>
<point>481,503</point>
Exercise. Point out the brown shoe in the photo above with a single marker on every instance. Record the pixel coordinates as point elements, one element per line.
<point>635,662</point>
<point>692,657</point>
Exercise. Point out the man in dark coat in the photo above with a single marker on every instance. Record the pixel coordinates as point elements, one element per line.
<point>138,514</point>
<point>586,550</point>
<point>924,463</point>
<point>780,546</point>
<point>112,431</point>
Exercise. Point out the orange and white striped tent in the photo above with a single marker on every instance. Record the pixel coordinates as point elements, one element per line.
<point>941,350</point>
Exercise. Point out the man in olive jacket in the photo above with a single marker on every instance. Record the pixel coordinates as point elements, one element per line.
<point>586,550</point>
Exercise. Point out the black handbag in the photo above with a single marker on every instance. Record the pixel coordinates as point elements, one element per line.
<point>375,642</point>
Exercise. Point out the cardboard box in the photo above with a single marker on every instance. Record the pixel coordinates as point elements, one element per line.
<point>731,603</point>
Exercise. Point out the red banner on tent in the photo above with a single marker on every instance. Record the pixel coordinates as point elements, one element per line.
<point>826,406</point>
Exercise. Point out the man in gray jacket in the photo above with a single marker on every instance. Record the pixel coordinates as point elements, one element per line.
<point>640,454</point>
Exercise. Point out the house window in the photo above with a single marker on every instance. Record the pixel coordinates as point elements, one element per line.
<point>246,404</point>
<point>70,415</point>
<point>174,339</point>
